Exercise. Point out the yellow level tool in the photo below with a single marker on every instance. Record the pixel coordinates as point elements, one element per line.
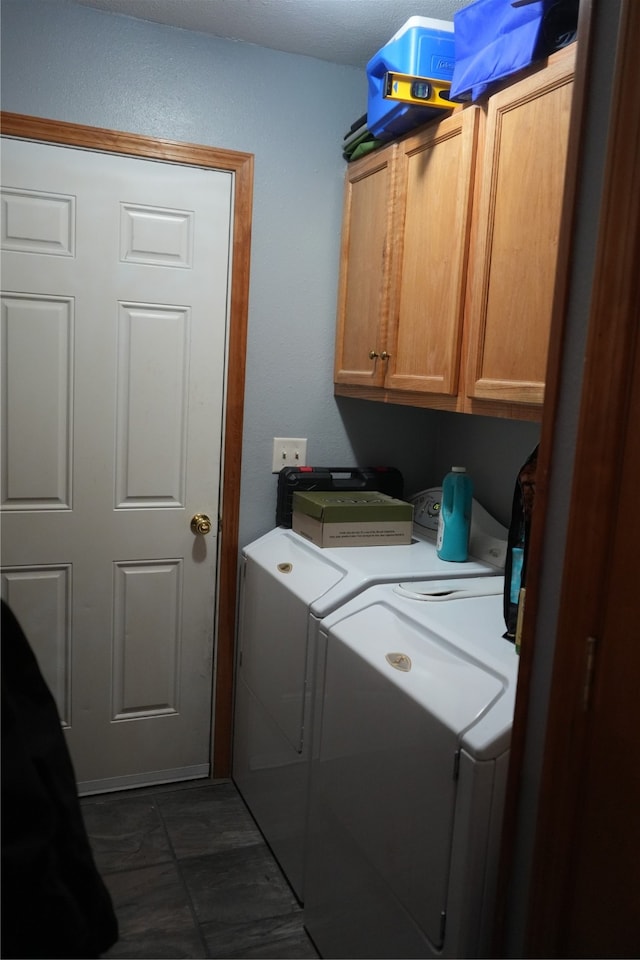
<point>419,90</point>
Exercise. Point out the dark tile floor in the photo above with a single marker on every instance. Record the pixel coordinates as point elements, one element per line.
<point>190,875</point>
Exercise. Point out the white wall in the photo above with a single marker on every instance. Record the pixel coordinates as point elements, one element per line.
<point>72,63</point>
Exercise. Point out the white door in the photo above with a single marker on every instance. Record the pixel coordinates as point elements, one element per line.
<point>115,292</point>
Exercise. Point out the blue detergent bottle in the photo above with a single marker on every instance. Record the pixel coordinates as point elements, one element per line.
<point>454,523</point>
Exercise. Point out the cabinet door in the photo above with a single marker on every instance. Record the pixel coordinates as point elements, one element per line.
<point>365,265</point>
<point>435,192</point>
<point>521,186</point>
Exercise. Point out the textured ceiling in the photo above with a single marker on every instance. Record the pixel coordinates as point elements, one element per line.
<point>341,31</point>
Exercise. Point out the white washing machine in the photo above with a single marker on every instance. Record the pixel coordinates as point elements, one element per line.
<point>288,586</point>
<point>414,708</point>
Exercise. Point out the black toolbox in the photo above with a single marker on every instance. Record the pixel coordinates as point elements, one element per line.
<point>383,479</point>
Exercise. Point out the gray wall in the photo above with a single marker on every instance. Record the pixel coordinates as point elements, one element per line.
<point>66,62</point>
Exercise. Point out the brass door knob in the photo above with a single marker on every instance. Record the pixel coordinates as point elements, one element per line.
<point>200,523</point>
<point>384,355</point>
<point>372,354</point>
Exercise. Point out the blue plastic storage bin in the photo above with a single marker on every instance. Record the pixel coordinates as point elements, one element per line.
<point>422,47</point>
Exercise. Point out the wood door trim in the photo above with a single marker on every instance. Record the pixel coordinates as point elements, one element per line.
<point>241,165</point>
<point>612,327</point>
<point>602,429</point>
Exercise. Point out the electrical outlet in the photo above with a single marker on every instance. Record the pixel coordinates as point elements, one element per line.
<point>288,452</point>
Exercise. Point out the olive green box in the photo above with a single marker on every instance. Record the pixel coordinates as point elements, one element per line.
<point>352,519</point>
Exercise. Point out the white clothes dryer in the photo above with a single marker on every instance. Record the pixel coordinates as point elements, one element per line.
<point>413,715</point>
<point>288,585</point>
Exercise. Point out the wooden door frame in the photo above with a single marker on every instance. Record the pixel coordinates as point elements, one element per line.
<point>241,166</point>
<point>602,429</point>
<point>612,329</point>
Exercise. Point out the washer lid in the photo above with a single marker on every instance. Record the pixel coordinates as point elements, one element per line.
<point>462,671</point>
<point>325,578</point>
<point>447,683</point>
<point>299,567</point>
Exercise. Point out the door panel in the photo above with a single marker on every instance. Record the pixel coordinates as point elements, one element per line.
<point>37,475</point>
<point>607,828</point>
<point>153,343</point>
<point>114,335</point>
<point>43,595</point>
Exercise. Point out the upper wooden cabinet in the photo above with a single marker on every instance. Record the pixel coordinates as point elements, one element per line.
<point>405,241</point>
<point>368,232</point>
<point>516,227</point>
<point>448,254</point>
<point>433,197</point>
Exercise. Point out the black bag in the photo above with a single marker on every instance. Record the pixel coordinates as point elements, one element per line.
<point>54,901</point>
<point>515,570</point>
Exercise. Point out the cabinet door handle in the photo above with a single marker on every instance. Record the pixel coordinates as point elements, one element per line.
<point>384,355</point>
<point>373,355</point>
